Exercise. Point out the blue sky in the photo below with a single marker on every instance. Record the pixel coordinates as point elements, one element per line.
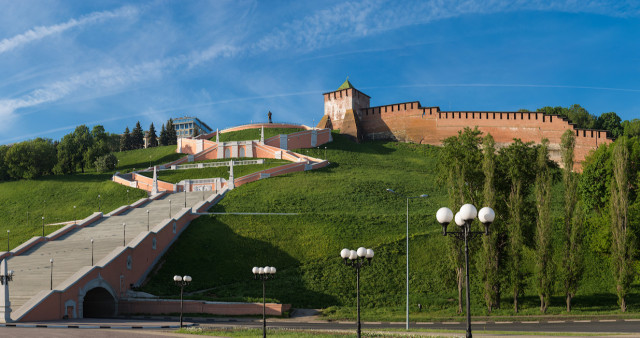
<point>66,63</point>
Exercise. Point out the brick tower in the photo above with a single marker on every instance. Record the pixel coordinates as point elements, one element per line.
<point>341,109</point>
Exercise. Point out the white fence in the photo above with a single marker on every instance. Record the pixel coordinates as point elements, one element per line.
<point>215,164</point>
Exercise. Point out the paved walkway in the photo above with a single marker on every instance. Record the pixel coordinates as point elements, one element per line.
<point>73,250</point>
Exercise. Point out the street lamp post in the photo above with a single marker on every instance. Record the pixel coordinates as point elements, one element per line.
<point>147,220</point>
<point>264,274</point>
<point>92,252</point>
<point>127,196</point>
<point>181,282</point>
<point>124,233</point>
<point>99,206</point>
<point>8,233</point>
<point>407,277</point>
<point>169,208</point>
<point>357,259</point>
<point>75,216</point>
<point>463,219</point>
<point>42,226</point>
<point>185,196</point>
<point>51,261</point>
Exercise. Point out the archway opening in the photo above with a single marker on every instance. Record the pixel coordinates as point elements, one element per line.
<point>98,303</point>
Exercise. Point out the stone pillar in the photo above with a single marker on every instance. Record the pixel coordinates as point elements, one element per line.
<point>231,184</point>
<point>154,187</point>
<point>5,304</point>
<point>262,135</point>
<point>217,136</point>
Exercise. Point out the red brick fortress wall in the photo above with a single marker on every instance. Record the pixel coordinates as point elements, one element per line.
<point>410,122</point>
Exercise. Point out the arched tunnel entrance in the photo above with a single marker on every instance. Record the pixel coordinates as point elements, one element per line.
<point>98,303</point>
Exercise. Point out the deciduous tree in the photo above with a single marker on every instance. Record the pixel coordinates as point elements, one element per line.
<point>543,268</point>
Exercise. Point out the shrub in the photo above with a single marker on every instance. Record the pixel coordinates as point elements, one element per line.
<point>106,163</point>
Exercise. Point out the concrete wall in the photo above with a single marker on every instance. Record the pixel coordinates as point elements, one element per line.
<point>166,306</point>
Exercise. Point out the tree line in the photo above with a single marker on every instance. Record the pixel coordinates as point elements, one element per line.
<point>135,139</point>
<point>530,245</point>
<point>583,119</point>
<point>76,151</point>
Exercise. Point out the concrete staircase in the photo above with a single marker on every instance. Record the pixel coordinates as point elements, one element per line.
<point>72,251</point>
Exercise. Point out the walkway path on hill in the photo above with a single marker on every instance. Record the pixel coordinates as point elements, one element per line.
<point>72,251</point>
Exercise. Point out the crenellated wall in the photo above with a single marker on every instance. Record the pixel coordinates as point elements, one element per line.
<point>410,122</point>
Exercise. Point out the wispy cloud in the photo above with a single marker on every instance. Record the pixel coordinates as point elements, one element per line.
<point>353,20</point>
<point>41,32</point>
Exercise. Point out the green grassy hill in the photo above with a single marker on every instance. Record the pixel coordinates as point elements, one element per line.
<point>24,202</point>
<point>346,205</point>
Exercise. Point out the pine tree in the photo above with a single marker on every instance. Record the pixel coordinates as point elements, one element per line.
<point>137,137</point>
<point>125,140</point>
<point>153,139</point>
<point>172,137</point>
<point>164,137</point>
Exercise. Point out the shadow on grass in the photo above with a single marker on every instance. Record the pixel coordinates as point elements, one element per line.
<point>143,164</point>
<point>220,262</point>
<point>344,143</point>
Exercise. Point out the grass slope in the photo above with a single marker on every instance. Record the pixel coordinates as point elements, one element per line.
<point>55,196</point>
<point>346,205</point>
<point>254,134</point>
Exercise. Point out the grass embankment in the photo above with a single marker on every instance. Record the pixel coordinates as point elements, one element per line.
<point>346,205</point>
<point>54,196</point>
<point>254,134</point>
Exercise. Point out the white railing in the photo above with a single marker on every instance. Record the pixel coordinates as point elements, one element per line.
<point>215,164</point>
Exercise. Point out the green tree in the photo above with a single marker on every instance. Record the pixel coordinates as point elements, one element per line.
<point>172,137</point>
<point>106,163</point>
<point>153,139</point>
<point>164,137</point>
<point>460,161</point>
<point>125,140</point>
<point>622,248</point>
<point>594,184</point>
<point>489,261</point>
<point>84,141</point>
<point>137,137</point>
<point>543,268</point>
<point>30,159</point>
<point>100,145</point>
<point>517,165</point>
<point>576,114</point>
<point>67,153</point>
<point>611,122</point>
<point>4,175</point>
<point>631,128</point>
<point>572,235</point>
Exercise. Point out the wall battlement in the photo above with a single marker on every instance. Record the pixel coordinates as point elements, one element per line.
<point>411,122</point>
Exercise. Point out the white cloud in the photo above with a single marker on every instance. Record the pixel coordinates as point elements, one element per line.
<point>40,32</point>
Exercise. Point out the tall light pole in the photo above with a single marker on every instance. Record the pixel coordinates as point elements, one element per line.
<point>124,233</point>
<point>42,226</point>
<point>169,208</point>
<point>407,198</point>
<point>147,220</point>
<point>99,209</point>
<point>357,259</point>
<point>463,219</point>
<point>8,233</point>
<point>264,274</point>
<point>75,216</point>
<point>181,282</point>
<point>185,196</point>
<point>92,252</point>
<point>51,261</point>
<point>127,196</point>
